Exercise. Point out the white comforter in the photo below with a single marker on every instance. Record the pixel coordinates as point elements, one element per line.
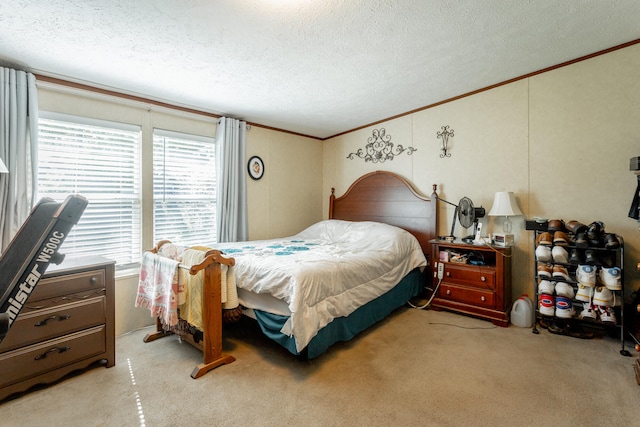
<point>326,271</point>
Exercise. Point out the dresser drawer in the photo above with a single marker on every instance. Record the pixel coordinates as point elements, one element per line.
<point>470,275</point>
<point>465,295</point>
<point>73,283</point>
<point>27,362</point>
<point>53,322</point>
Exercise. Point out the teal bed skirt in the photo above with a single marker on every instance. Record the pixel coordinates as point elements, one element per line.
<point>344,328</point>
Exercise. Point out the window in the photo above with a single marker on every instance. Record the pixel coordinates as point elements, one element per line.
<point>101,162</point>
<point>184,188</point>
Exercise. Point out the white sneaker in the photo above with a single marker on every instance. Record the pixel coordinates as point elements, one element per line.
<point>588,312</point>
<point>560,254</point>
<point>607,315</point>
<point>564,289</point>
<point>584,293</point>
<point>603,296</point>
<point>547,305</point>
<point>564,307</point>
<point>586,274</point>
<point>546,287</point>
<point>543,253</point>
<point>617,299</point>
<point>611,278</point>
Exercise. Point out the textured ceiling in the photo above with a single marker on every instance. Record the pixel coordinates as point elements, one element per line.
<point>315,67</point>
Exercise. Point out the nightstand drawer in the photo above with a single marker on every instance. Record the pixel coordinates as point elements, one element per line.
<point>54,322</point>
<point>73,283</point>
<point>26,362</point>
<point>465,295</point>
<point>470,275</point>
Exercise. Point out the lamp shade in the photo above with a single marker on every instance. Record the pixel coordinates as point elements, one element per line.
<point>504,204</point>
<point>3,168</point>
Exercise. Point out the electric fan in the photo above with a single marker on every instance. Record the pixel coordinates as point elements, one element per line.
<point>467,215</point>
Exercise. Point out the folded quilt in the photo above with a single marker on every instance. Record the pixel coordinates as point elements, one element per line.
<point>191,307</point>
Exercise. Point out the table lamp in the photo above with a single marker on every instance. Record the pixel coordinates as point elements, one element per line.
<point>504,204</point>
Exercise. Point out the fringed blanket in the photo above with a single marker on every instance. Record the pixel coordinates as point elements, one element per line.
<point>191,310</point>
<point>158,287</point>
<point>163,287</point>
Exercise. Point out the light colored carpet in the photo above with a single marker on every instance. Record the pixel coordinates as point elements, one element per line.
<point>416,367</point>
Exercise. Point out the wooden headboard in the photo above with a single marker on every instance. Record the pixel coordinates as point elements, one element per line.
<point>388,198</point>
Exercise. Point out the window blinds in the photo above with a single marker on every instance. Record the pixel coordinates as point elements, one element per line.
<point>184,188</point>
<point>100,161</point>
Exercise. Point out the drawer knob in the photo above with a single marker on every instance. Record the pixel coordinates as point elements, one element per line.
<point>52,350</point>
<point>448,291</point>
<point>484,279</point>
<point>54,317</point>
<point>448,274</point>
<point>482,298</point>
<point>93,280</point>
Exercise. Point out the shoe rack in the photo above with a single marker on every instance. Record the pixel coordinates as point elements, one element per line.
<point>567,257</point>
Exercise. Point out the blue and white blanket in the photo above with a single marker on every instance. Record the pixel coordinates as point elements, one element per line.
<point>326,271</point>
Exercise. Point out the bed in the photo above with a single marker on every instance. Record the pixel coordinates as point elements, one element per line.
<point>282,283</point>
<point>378,207</point>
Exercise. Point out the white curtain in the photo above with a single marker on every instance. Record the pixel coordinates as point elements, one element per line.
<point>231,204</point>
<point>18,150</point>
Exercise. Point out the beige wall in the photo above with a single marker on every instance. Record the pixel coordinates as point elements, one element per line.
<point>287,199</point>
<point>561,141</point>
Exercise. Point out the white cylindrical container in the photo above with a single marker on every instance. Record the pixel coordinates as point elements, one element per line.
<point>522,312</point>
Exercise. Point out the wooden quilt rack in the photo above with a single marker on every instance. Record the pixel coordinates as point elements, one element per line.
<point>211,342</point>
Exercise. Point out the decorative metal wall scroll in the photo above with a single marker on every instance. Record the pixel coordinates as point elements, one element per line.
<point>380,148</point>
<point>445,134</point>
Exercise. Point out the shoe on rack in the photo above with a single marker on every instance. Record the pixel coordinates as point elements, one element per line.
<point>546,287</point>
<point>611,278</point>
<point>561,238</point>
<point>603,296</point>
<point>560,254</point>
<point>617,299</point>
<point>547,305</point>
<point>564,289</point>
<point>611,241</point>
<point>555,225</point>
<point>588,312</point>
<point>551,325</point>
<point>591,258</point>
<point>584,293</point>
<point>545,239</point>
<point>544,270</point>
<point>543,253</point>
<point>586,275</point>
<point>564,307</point>
<point>574,257</point>
<point>576,330</point>
<point>606,314</point>
<point>582,242</point>
<point>595,230</point>
<point>575,227</point>
<point>560,272</point>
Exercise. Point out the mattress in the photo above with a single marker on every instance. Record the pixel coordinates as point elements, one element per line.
<point>325,272</point>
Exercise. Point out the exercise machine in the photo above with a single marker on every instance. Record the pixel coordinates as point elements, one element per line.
<point>33,248</point>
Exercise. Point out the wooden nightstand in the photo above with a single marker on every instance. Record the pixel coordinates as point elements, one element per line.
<point>66,324</point>
<point>478,290</point>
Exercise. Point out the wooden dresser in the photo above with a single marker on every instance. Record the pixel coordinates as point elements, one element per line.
<point>67,324</point>
<point>482,290</point>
